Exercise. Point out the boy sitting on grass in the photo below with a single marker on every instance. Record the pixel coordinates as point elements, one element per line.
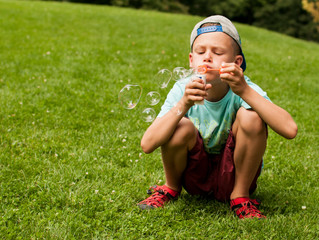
<point>215,149</point>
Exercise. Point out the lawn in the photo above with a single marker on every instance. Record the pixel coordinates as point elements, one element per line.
<point>70,162</point>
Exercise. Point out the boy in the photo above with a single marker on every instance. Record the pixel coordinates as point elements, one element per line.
<point>215,149</point>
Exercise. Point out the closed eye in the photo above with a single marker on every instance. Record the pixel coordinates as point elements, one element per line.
<point>218,53</point>
<point>200,51</point>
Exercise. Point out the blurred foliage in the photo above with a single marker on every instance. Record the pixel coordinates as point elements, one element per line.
<point>297,18</point>
<point>312,6</point>
<point>285,16</point>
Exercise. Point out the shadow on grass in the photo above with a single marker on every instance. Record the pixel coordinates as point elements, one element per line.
<point>200,204</point>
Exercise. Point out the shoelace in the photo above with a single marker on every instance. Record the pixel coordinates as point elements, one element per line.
<point>158,197</point>
<point>248,210</point>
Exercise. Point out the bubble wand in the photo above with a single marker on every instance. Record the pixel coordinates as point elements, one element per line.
<point>202,69</point>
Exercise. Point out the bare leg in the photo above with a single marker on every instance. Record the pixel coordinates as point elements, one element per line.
<point>174,153</point>
<point>251,138</point>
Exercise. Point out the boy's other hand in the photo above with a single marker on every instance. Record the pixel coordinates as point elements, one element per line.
<point>233,75</point>
<point>195,90</point>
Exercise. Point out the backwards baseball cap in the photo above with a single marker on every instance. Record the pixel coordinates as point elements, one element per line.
<point>224,25</point>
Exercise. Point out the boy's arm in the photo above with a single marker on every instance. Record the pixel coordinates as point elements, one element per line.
<point>162,129</point>
<point>277,118</point>
<point>274,116</point>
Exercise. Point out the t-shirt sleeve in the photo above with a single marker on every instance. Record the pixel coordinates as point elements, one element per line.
<point>175,94</point>
<point>257,89</point>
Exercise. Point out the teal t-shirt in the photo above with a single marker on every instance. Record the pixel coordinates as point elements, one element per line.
<point>213,119</point>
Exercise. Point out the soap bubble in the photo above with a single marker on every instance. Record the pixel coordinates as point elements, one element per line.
<point>130,95</point>
<point>180,73</point>
<point>178,110</point>
<point>148,114</point>
<point>188,72</point>
<point>153,98</point>
<point>163,77</point>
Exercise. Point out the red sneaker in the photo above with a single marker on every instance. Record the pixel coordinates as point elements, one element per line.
<point>160,196</point>
<point>246,208</point>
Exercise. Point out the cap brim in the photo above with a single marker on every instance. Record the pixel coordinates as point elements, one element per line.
<point>243,65</point>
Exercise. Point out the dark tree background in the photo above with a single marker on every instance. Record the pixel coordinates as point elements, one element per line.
<point>285,16</point>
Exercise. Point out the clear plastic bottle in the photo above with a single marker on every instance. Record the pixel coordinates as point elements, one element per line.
<point>203,77</point>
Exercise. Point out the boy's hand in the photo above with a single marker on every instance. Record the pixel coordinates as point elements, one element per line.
<point>233,74</point>
<point>195,90</point>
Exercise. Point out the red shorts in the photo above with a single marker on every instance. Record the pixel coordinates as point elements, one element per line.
<point>212,174</point>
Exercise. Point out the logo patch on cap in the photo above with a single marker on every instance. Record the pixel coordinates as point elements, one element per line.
<point>217,28</point>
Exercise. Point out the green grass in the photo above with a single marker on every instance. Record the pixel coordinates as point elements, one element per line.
<point>70,162</point>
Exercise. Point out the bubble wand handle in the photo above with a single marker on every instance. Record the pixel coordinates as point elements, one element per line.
<point>212,69</point>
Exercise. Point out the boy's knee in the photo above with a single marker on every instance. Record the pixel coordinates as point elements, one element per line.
<point>184,135</point>
<point>250,122</point>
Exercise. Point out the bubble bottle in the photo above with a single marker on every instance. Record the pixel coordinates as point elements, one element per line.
<point>200,72</point>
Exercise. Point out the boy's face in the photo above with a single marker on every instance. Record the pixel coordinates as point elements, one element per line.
<point>212,49</point>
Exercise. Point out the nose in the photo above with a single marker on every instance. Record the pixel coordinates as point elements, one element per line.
<point>208,57</point>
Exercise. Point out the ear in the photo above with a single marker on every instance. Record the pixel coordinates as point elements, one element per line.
<point>190,57</point>
<point>239,60</point>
